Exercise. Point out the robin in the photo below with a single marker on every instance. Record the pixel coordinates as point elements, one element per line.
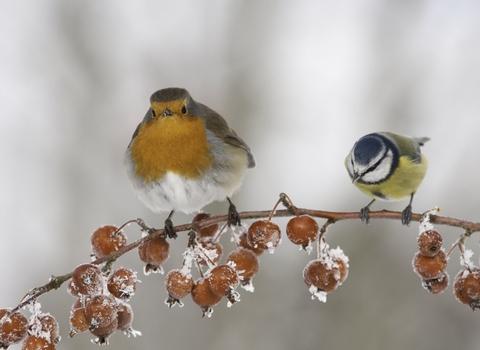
<point>183,156</point>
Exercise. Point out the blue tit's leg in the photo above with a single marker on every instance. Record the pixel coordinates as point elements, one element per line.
<point>169,229</point>
<point>233,217</point>
<point>364,213</point>
<point>407,212</point>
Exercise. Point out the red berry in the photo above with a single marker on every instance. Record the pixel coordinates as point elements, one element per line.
<point>33,342</point>
<point>122,283</point>
<point>437,285</point>
<point>322,274</point>
<point>203,296</point>
<point>45,326</point>
<point>244,243</point>
<point>302,230</point>
<point>154,253</point>
<point>178,284</point>
<point>467,288</point>
<point>264,234</point>
<point>430,267</point>
<point>101,310</point>
<point>14,329</point>
<point>78,319</point>
<point>104,332</point>
<point>125,317</point>
<point>246,263</point>
<point>106,240</point>
<point>205,232</point>
<point>429,243</point>
<point>223,279</point>
<point>211,252</point>
<point>88,279</point>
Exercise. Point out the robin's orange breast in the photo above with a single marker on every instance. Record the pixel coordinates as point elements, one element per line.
<point>177,144</point>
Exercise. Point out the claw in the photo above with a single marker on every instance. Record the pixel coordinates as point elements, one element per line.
<point>364,215</point>
<point>233,217</point>
<point>407,215</point>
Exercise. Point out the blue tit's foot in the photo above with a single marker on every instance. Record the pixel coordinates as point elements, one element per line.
<point>364,215</point>
<point>169,229</point>
<point>233,217</point>
<point>407,215</point>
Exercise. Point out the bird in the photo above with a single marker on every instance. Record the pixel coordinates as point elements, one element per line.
<point>387,167</point>
<point>183,156</point>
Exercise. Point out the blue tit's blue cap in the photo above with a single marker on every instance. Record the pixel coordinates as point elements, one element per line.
<point>367,148</point>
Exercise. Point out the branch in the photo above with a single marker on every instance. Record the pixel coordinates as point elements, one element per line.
<point>56,281</point>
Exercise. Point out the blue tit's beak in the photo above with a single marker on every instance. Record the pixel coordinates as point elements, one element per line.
<point>355,177</point>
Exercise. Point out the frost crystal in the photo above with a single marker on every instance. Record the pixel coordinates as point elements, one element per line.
<point>425,223</point>
<point>248,286</point>
<point>317,294</point>
<point>465,259</point>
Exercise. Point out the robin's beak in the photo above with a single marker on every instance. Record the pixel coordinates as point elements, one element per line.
<point>167,113</point>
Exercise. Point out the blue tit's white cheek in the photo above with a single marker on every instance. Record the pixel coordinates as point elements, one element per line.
<point>349,165</point>
<point>381,172</point>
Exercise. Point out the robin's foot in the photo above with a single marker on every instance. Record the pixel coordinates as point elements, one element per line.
<point>169,229</point>
<point>233,217</point>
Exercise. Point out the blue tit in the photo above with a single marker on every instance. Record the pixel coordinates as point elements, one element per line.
<point>387,167</point>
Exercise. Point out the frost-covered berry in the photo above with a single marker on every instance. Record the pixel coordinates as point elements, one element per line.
<point>429,243</point>
<point>264,234</point>
<point>101,310</point>
<point>178,284</point>
<point>106,240</point>
<point>88,279</point>
<point>125,318</point>
<point>244,243</point>
<point>467,288</point>
<point>78,319</point>
<point>222,279</point>
<point>209,252</point>
<point>33,342</point>
<point>45,326</point>
<point>302,230</point>
<point>205,232</point>
<point>203,296</point>
<point>430,267</point>
<point>322,274</point>
<point>154,253</point>
<point>13,329</point>
<point>246,263</point>
<point>437,285</point>
<point>122,283</point>
<point>104,332</point>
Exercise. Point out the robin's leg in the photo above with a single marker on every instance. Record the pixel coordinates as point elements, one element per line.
<point>169,229</point>
<point>233,217</point>
<point>364,213</point>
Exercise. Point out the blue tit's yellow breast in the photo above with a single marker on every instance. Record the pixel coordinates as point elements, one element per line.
<point>404,181</point>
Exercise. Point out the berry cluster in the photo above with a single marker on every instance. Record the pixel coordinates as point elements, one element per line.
<point>101,299</point>
<point>215,280</point>
<point>430,263</point>
<point>41,331</point>
<point>102,293</point>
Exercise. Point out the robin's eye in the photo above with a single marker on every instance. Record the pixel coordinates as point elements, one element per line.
<point>184,110</point>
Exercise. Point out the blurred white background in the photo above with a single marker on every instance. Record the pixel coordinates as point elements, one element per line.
<point>300,82</point>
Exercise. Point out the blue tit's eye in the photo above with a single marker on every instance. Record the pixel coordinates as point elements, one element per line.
<point>184,110</point>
